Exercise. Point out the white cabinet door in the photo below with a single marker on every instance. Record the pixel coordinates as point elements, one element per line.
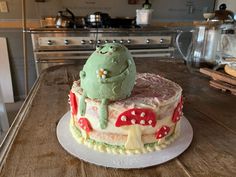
<point>5,73</point>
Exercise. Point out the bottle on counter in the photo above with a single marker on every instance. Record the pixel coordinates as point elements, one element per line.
<point>147,5</point>
<point>223,14</point>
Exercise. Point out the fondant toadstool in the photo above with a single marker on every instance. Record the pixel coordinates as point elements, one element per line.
<point>177,115</point>
<point>178,111</point>
<point>161,133</point>
<point>131,120</point>
<point>74,105</point>
<point>85,126</point>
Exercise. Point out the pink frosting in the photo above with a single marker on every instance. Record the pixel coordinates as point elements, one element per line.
<point>151,85</point>
<point>149,89</point>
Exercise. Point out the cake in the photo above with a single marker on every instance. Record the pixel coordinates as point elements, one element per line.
<point>116,110</point>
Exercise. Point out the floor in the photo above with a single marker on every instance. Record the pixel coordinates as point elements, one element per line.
<point>12,110</point>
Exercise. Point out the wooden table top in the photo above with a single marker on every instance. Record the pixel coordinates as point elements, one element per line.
<point>32,149</point>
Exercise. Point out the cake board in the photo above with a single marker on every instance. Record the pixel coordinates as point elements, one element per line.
<point>87,154</point>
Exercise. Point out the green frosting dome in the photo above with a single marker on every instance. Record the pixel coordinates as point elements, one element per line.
<point>109,73</point>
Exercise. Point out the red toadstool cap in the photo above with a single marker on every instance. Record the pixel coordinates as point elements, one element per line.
<point>163,131</point>
<point>178,111</point>
<point>85,124</point>
<point>73,103</point>
<point>134,116</point>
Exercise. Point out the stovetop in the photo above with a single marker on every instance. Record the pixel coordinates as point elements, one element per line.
<point>149,29</point>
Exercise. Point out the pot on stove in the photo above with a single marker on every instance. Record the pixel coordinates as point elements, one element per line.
<point>97,19</point>
<point>65,19</point>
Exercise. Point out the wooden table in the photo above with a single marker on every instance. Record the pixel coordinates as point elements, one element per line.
<point>32,149</point>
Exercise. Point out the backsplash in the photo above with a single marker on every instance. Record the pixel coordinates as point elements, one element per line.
<point>164,10</point>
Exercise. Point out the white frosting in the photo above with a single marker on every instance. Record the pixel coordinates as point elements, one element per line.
<point>114,150</point>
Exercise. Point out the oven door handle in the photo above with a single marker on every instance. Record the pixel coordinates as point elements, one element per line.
<point>45,56</point>
<point>55,61</point>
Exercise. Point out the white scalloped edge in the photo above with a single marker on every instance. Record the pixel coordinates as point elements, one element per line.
<point>114,150</point>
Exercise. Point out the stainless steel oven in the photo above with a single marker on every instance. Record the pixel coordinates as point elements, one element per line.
<point>54,46</point>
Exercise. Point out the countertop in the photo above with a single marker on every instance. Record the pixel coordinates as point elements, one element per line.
<point>31,148</point>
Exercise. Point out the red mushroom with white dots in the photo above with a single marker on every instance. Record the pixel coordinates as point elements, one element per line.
<point>178,111</point>
<point>85,126</point>
<point>162,132</point>
<point>131,120</point>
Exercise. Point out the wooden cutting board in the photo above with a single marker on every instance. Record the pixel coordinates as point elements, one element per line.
<point>220,80</point>
<point>5,73</point>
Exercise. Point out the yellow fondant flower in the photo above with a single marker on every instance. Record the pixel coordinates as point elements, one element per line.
<point>101,73</point>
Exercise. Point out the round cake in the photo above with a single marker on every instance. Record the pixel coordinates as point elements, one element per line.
<point>116,110</point>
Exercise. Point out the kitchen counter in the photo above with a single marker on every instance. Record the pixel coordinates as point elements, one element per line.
<point>32,149</point>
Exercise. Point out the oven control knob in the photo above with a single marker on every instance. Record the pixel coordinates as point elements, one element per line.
<point>106,41</point>
<point>99,41</point>
<point>66,42</point>
<point>91,41</point>
<point>114,41</point>
<point>162,40</point>
<point>83,41</point>
<point>50,42</point>
<point>147,41</point>
<point>121,41</point>
<point>129,41</point>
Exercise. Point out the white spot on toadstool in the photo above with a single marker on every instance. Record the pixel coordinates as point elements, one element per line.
<point>133,121</point>
<point>123,118</point>
<point>160,136</point>
<point>142,114</point>
<point>165,133</point>
<point>150,122</point>
<point>142,122</point>
<point>133,113</point>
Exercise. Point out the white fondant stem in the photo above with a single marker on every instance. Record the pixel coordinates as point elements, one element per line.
<point>134,138</point>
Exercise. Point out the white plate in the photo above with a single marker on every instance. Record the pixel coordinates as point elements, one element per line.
<point>123,161</point>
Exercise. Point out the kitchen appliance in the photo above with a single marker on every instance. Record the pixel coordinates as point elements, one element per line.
<point>55,46</point>
<point>212,45</point>
<point>65,19</point>
<point>203,50</point>
<point>228,42</point>
<point>223,14</point>
<point>97,19</point>
<point>143,16</point>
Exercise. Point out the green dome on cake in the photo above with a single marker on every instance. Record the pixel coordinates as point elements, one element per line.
<point>109,73</point>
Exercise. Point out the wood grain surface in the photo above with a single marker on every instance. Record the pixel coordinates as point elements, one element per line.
<point>35,151</point>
